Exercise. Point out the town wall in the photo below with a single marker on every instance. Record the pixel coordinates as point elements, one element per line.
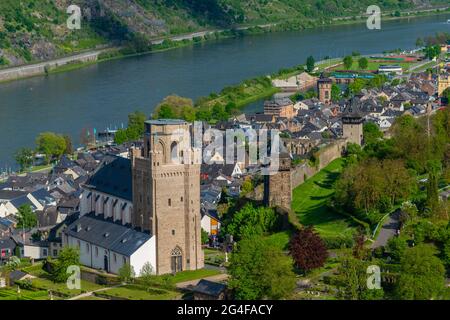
<point>325,155</point>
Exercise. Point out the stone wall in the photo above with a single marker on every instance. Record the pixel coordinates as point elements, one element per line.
<point>325,155</point>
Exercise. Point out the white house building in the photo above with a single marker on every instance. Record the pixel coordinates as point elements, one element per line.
<point>106,245</point>
<point>210,222</point>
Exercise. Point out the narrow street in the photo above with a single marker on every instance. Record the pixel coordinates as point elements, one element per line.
<point>388,230</point>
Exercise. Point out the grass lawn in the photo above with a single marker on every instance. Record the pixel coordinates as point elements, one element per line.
<point>43,282</point>
<point>193,275</point>
<point>214,256</point>
<point>12,294</point>
<point>135,292</point>
<point>310,202</point>
<point>280,240</point>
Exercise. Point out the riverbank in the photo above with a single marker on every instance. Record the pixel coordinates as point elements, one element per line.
<point>164,44</point>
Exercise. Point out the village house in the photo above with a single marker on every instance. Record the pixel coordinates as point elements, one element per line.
<point>283,108</point>
<point>210,221</point>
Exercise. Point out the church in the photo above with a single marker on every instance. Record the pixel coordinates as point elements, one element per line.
<point>145,209</point>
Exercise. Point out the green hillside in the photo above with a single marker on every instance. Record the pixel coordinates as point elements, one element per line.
<point>34,30</point>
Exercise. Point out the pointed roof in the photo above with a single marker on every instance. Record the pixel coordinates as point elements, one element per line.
<point>353,109</point>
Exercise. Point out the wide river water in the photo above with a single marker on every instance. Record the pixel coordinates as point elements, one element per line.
<point>102,95</point>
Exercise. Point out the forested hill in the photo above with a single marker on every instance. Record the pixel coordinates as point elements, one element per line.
<point>33,30</point>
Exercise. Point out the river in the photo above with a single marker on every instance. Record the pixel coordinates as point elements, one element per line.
<point>102,95</point>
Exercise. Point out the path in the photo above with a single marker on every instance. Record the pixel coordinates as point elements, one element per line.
<point>191,283</point>
<point>388,230</point>
<point>90,293</point>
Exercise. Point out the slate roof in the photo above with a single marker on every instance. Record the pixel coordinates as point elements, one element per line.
<point>212,213</point>
<point>107,234</point>
<point>6,222</point>
<point>23,200</point>
<point>215,169</point>
<point>280,102</point>
<point>260,117</point>
<point>7,243</point>
<point>17,275</point>
<point>52,236</point>
<point>48,217</point>
<point>209,288</point>
<point>113,176</point>
<point>63,164</point>
<point>43,196</point>
<point>353,109</point>
<point>10,195</point>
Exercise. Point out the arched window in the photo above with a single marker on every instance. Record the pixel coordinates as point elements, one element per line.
<point>174,154</point>
<point>176,260</point>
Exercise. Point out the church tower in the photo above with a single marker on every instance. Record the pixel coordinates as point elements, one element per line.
<point>352,123</point>
<point>324,87</point>
<point>166,194</point>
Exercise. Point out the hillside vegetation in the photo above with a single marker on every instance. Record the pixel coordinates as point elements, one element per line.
<point>33,30</point>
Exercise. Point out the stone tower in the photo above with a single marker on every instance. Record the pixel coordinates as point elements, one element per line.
<point>324,87</point>
<point>166,194</point>
<point>352,123</point>
<point>278,187</point>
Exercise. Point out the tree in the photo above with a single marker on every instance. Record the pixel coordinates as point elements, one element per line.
<point>11,265</point>
<point>422,274</point>
<point>372,133</point>
<point>26,218</point>
<point>175,107</point>
<point>51,145</point>
<point>68,256</point>
<point>247,187</point>
<point>260,270</point>
<point>348,62</point>
<point>446,95</point>
<point>24,158</point>
<point>363,63</point>
<point>352,281</point>
<point>165,112</point>
<point>218,113</point>
<point>308,250</point>
<point>374,185</point>
<point>433,168</point>
<point>136,127</point>
<point>120,136</point>
<point>205,237</point>
<point>310,64</point>
<point>150,280</point>
<point>335,93</point>
<point>126,273</point>
<point>432,52</point>
<point>378,81</point>
<point>250,221</point>
<point>147,270</point>
<point>69,144</point>
<point>396,247</point>
<point>356,86</point>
